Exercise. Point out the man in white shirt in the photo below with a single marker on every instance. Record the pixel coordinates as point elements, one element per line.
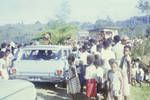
<point>94,48</point>
<point>83,63</point>
<point>107,54</point>
<point>118,48</point>
<point>83,55</point>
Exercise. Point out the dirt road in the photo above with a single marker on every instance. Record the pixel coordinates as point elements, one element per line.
<point>47,92</point>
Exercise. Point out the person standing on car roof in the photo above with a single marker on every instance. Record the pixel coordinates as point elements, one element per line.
<point>46,39</point>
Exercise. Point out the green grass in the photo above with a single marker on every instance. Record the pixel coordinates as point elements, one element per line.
<point>140,93</point>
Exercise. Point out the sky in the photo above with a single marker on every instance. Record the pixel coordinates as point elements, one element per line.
<point>29,11</point>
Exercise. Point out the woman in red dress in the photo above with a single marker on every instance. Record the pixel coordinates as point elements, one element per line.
<point>90,76</point>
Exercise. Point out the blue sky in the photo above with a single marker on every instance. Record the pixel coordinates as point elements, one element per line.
<point>29,11</point>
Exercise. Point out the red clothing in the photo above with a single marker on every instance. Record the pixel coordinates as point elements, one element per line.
<point>91,90</point>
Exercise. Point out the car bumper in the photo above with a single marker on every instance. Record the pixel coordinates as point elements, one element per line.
<point>54,79</point>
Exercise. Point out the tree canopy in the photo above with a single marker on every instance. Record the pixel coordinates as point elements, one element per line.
<point>144,6</point>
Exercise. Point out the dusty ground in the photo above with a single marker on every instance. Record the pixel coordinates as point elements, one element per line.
<point>47,92</point>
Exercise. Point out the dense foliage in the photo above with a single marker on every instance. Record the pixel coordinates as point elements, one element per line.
<point>142,50</point>
<point>60,31</point>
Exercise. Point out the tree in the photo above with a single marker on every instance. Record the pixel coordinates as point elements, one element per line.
<point>144,6</point>
<point>63,12</point>
<point>86,26</point>
<point>104,23</point>
<point>148,32</point>
<point>60,31</point>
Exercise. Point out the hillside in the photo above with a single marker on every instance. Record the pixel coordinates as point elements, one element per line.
<point>133,27</point>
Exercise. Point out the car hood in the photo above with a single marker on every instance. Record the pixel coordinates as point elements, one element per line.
<point>10,87</point>
<point>39,66</point>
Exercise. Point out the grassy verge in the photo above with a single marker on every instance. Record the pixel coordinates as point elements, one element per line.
<point>140,93</point>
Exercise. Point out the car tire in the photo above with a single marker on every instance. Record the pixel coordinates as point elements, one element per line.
<point>52,85</point>
<point>63,84</point>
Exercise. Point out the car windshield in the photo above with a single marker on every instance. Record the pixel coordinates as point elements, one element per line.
<point>40,54</point>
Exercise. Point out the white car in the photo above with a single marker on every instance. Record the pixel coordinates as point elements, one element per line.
<point>17,90</point>
<point>41,63</point>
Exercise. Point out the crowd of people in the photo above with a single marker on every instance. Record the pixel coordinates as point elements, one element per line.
<point>8,53</point>
<point>105,68</point>
<point>98,68</point>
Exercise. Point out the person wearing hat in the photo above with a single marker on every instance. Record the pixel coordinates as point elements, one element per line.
<point>115,80</point>
<point>3,68</point>
<point>46,39</point>
<point>125,40</point>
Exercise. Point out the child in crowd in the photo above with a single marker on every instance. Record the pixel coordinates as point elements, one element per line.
<point>100,76</point>
<point>115,80</point>
<point>147,77</point>
<point>73,83</point>
<point>125,66</point>
<point>81,73</point>
<point>134,70</point>
<point>140,74</point>
<point>90,76</point>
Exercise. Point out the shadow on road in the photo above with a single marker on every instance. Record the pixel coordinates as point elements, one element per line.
<point>45,91</point>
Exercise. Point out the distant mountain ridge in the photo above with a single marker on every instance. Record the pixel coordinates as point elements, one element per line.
<point>136,20</point>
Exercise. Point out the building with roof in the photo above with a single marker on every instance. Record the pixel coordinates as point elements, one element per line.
<point>103,33</point>
<point>82,35</point>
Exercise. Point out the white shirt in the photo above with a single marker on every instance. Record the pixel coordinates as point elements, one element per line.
<point>83,57</point>
<point>118,51</point>
<point>106,55</point>
<point>3,49</point>
<point>141,73</point>
<point>134,71</point>
<point>94,49</point>
<point>9,59</point>
<point>98,53</point>
<point>115,78</point>
<point>100,72</point>
<point>2,63</point>
<point>3,69</point>
<point>90,72</point>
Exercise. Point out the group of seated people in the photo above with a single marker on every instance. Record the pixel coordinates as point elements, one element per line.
<point>39,54</point>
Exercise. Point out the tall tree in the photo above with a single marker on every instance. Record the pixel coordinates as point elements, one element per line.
<point>108,22</point>
<point>144,6</point>
<point>63,12</point>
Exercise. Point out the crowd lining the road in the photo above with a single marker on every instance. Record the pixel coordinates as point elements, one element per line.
<point>103,67</point>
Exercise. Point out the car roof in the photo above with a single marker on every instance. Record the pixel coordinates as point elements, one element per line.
<point>46,47</point>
